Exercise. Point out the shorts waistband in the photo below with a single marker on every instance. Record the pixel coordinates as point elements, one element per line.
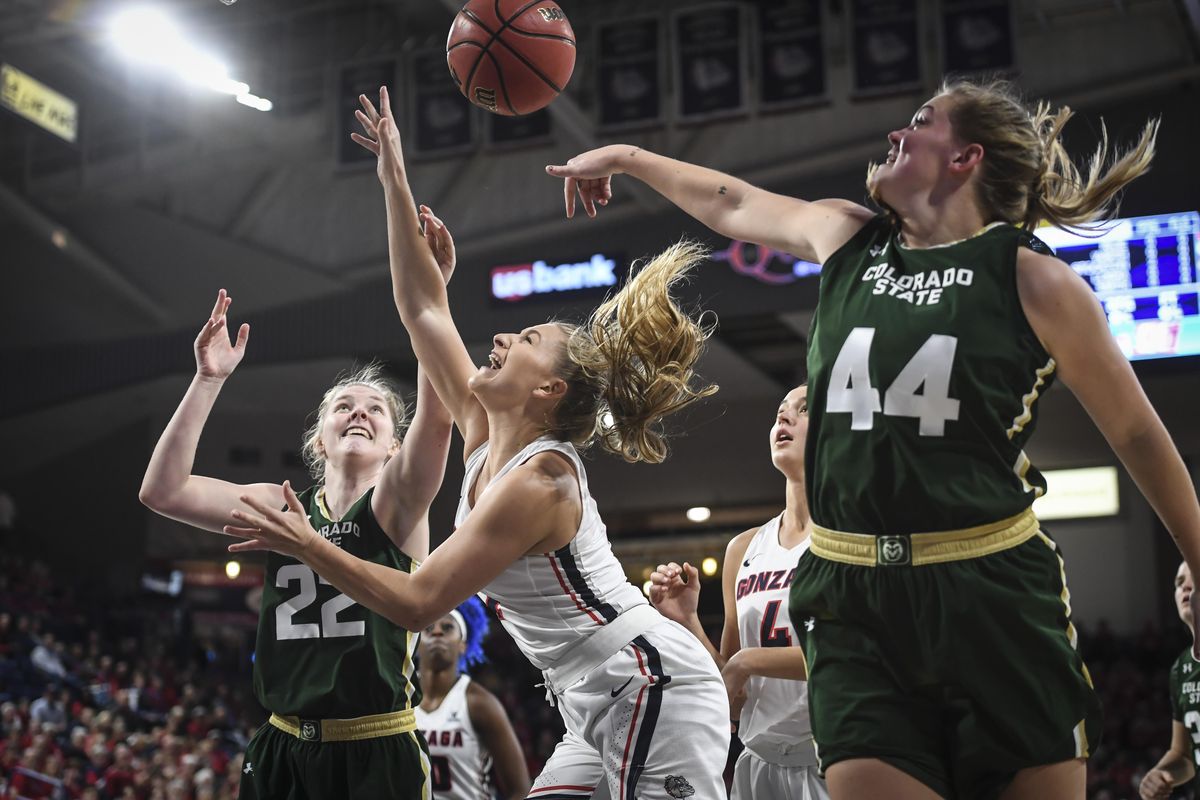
<point>917,549</point>
<point>346,730</point>
<point>582,656</point>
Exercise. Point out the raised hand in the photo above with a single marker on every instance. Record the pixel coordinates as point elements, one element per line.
<point>267,528</point>
<point>440,242</point>
<point>590,176</point>
<point>383,137</point>
<point>216,356</point>
<point>675,591</point>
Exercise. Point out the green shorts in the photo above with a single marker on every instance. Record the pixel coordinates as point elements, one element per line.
<point>957,667</point>
<point>280,765</point>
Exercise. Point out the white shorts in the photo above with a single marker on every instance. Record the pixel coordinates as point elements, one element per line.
<point>755,779</point>
<point>650,723</point>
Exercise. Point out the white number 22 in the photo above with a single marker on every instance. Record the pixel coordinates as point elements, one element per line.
<point>330,626</point>
<point>850,390</point>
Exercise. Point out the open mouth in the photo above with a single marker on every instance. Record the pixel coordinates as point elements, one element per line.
<point>494,361</point>
<point>783,436</point>
<point>891,157</point>
<point>356,430</point>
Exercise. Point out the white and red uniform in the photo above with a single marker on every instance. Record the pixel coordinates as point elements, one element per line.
<point>461,768</point>
<point>780,759</point>
<point>644,706</point>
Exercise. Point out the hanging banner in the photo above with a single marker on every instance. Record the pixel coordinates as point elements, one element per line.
<point>791,54</point>
<point>353,80</point>
<point>527,129</point>
<point>710,62</point>
<point>886,45</point>
<point>629,80</point>
<point>442,122</point>
<point>977,36</point>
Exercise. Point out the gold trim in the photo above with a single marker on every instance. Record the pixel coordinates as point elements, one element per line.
<point>1027,400</point>
<point>350,730</point>
<point>862,549</point>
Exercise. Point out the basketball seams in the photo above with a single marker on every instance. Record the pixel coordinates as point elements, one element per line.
<point>494,36</point>
<point>500,80</point>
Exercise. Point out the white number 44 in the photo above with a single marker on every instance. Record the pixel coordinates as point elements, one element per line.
<point>927,372</point>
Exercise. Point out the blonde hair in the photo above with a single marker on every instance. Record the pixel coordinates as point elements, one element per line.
<point>630,365</point>
<point>1027,176</point>
<point>371,375</point>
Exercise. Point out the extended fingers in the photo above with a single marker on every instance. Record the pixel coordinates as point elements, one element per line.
<point>368,108</point>
<point>219,306</point>
<point>365,142</point>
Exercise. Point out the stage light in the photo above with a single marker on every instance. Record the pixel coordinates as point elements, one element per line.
<point>709,566</point>
<point>699,513</point>
<point>146,35</point>
<point>232,569</point>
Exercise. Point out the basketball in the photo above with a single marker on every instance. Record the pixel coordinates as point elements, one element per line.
<point>511,57</point>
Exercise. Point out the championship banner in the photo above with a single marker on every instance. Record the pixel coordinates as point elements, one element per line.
<point>527,129</point>
<point>710,62</point>
<point>441,120</point>
<point>977,36</point>
<point>886,45</point>
<point>28,97</point>
<point>791,53</point>
<point>353,80</point>
<point>629,80</point>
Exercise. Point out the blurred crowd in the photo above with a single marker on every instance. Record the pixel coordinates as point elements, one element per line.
<point>104,699</point>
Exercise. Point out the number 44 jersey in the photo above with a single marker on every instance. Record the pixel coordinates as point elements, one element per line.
<point>319,654</point>
<point>923,380</point>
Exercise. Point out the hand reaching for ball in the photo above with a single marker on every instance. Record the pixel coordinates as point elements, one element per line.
<point>383,137</point>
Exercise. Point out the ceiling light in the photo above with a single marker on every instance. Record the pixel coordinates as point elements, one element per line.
<point>699,513</point>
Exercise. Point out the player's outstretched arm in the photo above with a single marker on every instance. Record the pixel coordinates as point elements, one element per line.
<point>417,284</point>
<point>1174,768</point>
<point>169,487</point>
<point>500,740</point>
<point>1068,319</point>
<point>411,479</point>
<point>520,513</point>
<point>728,205</point>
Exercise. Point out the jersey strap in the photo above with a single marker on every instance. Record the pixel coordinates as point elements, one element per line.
<point>916,549</point>
<point>347,730</point>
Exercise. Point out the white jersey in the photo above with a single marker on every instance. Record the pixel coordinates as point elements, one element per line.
<point>776,711</point>
<point>460,769</point>
<point>550,601</point>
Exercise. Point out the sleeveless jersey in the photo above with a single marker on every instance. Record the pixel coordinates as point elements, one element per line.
<point>549,601</point>
<point>923,378</point>
<point>320,655</point>
<point>460,769</point>
<point>776,710</point>
<point>1185,699</point>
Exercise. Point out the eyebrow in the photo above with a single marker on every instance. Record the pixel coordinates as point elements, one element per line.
<point>342,397</point>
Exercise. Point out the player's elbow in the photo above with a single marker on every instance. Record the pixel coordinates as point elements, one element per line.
<point>154,497</point>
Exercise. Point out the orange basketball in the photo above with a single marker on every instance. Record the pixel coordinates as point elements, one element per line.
<point>511,57</point>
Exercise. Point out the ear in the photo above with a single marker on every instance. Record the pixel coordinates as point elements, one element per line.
<point>967,159</point>
<point>394,448</point>
<point>554,389</point>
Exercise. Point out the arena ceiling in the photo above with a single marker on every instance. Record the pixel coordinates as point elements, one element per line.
<point>114,247</point>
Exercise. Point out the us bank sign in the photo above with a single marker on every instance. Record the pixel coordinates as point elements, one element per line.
<point>517,282</point>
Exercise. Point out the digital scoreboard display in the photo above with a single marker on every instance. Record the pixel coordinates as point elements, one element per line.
<point>1143,269</point>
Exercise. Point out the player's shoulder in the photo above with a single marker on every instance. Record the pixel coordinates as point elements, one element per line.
<point>482,704</point>
<point>739,544</point>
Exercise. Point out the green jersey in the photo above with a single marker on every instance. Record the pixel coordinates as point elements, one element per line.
<point>923,377</point>
<point>1185,698</point>
<point>319,654</point>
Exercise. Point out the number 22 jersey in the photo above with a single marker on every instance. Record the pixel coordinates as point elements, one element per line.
<point>320,655</point>
<point>924,376</point>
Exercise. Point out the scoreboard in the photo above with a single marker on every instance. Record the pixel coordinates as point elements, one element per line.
<point>1143,269</point>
